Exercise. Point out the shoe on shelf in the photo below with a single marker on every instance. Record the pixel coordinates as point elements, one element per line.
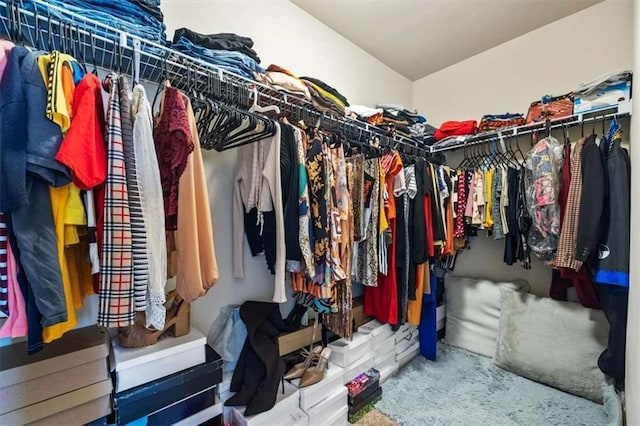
<point>315,374</point>
<point>177,320</point>
<point>311,357</point>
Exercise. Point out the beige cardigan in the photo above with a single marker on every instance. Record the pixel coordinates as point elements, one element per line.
<point>194,259</point>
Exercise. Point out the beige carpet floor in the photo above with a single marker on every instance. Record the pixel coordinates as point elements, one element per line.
<point>375,418</point>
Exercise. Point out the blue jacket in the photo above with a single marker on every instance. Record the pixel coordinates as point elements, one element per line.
<point>29,141</point>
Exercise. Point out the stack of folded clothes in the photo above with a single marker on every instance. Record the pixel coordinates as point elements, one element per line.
<point>227,51</point>
<point>284,80</point>
<point>365,113</point>
<point>141,18</point>
<point>407,123</point>
<point>500,121</point>
<point>324,97</point>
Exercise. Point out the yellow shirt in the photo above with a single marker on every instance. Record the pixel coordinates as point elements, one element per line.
<point>383,223</point>
<point>61,74</point>
<point>488,218</point>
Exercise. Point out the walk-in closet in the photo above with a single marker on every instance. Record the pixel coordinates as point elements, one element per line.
<point>319,213</point>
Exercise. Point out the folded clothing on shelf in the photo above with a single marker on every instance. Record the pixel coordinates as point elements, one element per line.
<point>141,18</point>
<point>232,61</point>
<point>221,41</point>
<point>324,97</point>
<point>456,128</point>
<point>398,113</point>
<point>282,79</point>
<point>500,121</point>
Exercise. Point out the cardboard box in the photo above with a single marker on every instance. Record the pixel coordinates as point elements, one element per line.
<point>379,333</point>
<point>76,361</point>
<point>603,98</point>
<point>314,394</point>
<point>190,406</point>
<point>388,369</point>
<point>152,397</point>
<point>320,414</point>
<point>345,352</point>
<point>409,340</point>
<point>73,408</point>
<point>358,312</point>
<point>286,406</point>
<point>360,366</point>
<point>291,342</point>
<point>340,418</point>
<point>405,357</point>
<point>137,366</point>
<point>404,331</point>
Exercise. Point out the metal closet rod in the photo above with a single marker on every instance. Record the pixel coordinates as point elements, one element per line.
<point>527,129</point>
<point>97,39</point>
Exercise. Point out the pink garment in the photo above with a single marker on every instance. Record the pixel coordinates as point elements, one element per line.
<point>16,324</point>
<point>5,47</point>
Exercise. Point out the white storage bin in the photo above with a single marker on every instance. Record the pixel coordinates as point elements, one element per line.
<point>405,357</point>
<point>379,332</point>
<point>409,340</point>
<point>314,394</point>
<point>404,331</point>
<point>340,418</point>
<point>345,352</point>
<point>388,369</point>
<point>137,366</point>
<point>358,367</point>
<point>321,413</point>
<point>381,359</point>
<point>286,406</point>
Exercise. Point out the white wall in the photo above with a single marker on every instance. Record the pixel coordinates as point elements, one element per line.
<point>285,35</point>
<point>553,59</point>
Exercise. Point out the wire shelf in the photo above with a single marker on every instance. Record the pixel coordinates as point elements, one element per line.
<point>48,27</point>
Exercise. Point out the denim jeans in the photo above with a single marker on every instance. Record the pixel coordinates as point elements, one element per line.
<point>119,14</point>
<point>235,62</point>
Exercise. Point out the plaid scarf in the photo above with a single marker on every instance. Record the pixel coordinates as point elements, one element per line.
<point>116,304</point>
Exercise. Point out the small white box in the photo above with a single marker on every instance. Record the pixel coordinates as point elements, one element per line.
<point>358,367</point>
<point>381,359</point>
<point>388,370</point>
<point>322,412</point>
<point>379,332</point>
<point>340,418</point>
<point>312,395</point>
<point>286,405</point>
<point>404,331</point>
<point>388,346</point>
<point>345,352</point>
<point>137,366</point>
<point>409,340</point>
<point>405,357</point>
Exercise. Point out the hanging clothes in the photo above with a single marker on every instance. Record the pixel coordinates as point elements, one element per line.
<point>612,266</point>
<point>116,304</point>
<point>195,258</point>
<point>174,143</point>
<point>381,301</point>
<point>152,207</point>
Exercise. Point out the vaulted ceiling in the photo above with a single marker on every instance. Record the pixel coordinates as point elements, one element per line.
<point>419,37</point>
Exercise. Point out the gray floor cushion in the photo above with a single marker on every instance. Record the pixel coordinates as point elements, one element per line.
<point>552,342</point>
<point>473,312</point>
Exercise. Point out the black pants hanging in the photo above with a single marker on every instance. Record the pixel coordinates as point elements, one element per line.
<point>614,303</point>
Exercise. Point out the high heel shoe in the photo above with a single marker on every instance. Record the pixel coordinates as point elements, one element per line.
<point>315,374</point>
<point>177,320</point>
<point>310,358</point>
